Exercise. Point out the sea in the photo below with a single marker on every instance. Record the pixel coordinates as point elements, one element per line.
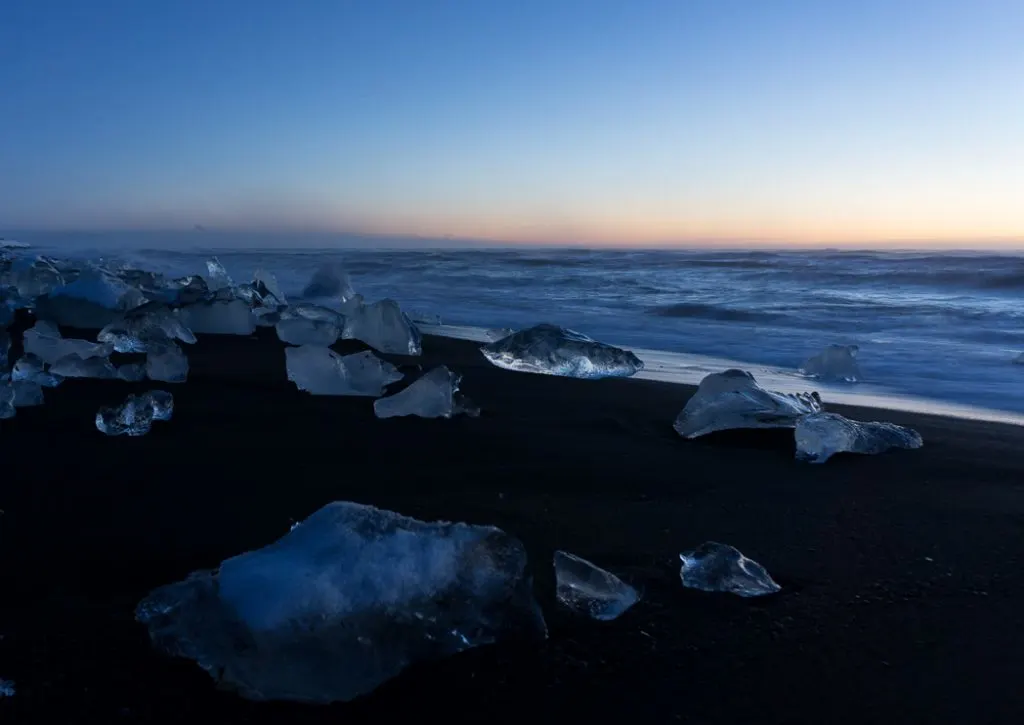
<point>938,332</point>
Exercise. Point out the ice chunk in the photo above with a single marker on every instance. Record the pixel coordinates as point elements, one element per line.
<point>309,311</point>
<point>270,291</point>
<point>135,416</point>
<point>821,435</point>
<point>100,287</point>
<point>321,371</point>
<point>31,367</point>
<point>300,331</point>
<point>714,567</point>
<point>383,326</point>
<point>330,280</point>
<point>131,372</point>
<point>44,340</point>
<point>5,347</point>
<point>34,277</point>
<point>344,602</point>
<point>75,366</point>
<point>151,323</point>
<point>216,276</point>
<point>590,590</point>
<point>167,363</point>
<point>27,393</point>
<point>553,350</point>
<point>232,317</point>
<point>6,688</point>
<point>434,395</point>
<point>72,312</point>
<point>835,362</point>
<point>733,399</point>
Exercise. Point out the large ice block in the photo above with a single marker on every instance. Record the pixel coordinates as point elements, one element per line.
<point>733,399</point>
<point>217,277</point>
<point>167,363</point>
<point>434,395</point>
<point>151,323</point>
<point>100,287</point>
<point>553,350</point>
<point>44,340</point>
<point>835,363</point>
<point>714,567</point>
<point>76,366</point>
<point>302,331</point>
<point>588,589</point>
<point>383,326</point>
<point>345,601</point>
<point>820,436</point>
<point>321,371</point>
<point>232,317</point>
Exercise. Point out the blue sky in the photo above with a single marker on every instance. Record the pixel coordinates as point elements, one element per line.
<point>533,120</point>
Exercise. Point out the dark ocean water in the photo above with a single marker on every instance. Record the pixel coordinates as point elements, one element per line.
<point>941,326</point>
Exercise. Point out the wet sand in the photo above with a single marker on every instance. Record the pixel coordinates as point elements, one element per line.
<point>901,573</point>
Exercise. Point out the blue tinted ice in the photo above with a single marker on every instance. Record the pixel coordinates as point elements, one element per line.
<point>835,363</point>
<point>588,589</point>
<point>553,350</point>
<point>345,601</point>
<point>433,395</point>
<point>321,371</point>
<point>135,416</point>
<point>714,567</point>
<point>167,363</point>
<point>821,435</point>
<point>383,326</point>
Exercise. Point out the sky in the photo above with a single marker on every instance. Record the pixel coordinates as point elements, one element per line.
<point>600,122</point>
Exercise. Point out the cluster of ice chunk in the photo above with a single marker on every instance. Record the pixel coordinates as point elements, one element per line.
<point>553,350</point>
<point>321,371</point>
<point>135,416</point>
<point>345,601</point>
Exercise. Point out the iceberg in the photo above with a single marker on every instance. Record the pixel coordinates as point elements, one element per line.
<point>733,399</point>
<point>434,395</point>
<point>714,567</point>
<point>76,366</point>
<point>553,350</point>
<point>330,280</point>
<point>135,416</point>
<point>588,589</point>
<point>32,368</point>
<point>232,317</point>
<point>820,436</point>
<point>167,363</point>
<point>302,331</point>
<point>834,363</point>
<point>345,601</point>
<point>44,340</point>
<point>383,326</point>
<point>321,371</point>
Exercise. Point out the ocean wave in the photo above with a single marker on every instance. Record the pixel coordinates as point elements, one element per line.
<point>711,312</point>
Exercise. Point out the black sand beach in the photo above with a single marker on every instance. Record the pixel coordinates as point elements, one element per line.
<point>902,573</point>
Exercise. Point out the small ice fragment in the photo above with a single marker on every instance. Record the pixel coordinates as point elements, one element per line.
<point>27,393</point>
<point>131,372</point>
<point>302,331</point>
<point>45,341</point>
<point>434,395</point>
<point>590,590</point>
<point>135,416</point>
<point>216,276</point>
<point>75,366</point>
<point>231,317</point>
<point>714,567</point>
<point>834,363</point>
<point>6,688</point>
<point>330,280</point>
<point>553,350</point>
<point>31,367</point>
<point>321,371</point>
<point>6,400</point>
<point>265,283</point>
<point>821,435</point>
<point>733,399</point>
<point>345,601</point>
<point>384,327</point>
<point>167,363</point>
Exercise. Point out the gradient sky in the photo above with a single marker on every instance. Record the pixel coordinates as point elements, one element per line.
<point>603,121</point>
